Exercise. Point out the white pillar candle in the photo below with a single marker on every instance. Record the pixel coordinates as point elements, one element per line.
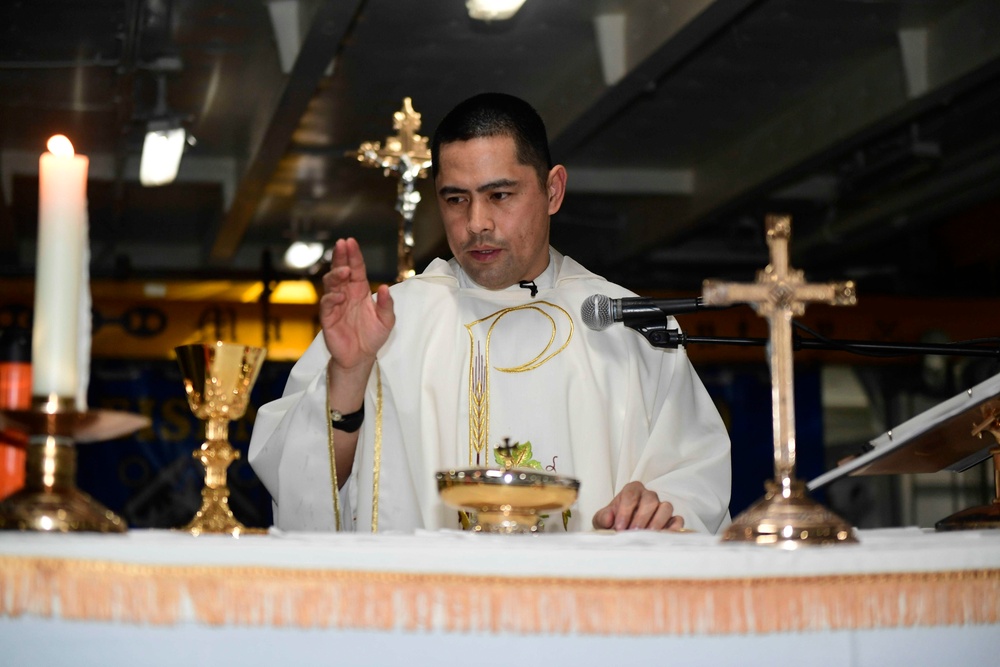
<point>62,239</point>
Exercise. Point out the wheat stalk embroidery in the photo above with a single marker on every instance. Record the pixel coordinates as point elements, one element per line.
<point>479,416</point>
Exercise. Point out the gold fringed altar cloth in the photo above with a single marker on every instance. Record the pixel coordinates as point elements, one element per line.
<point>631,584</point>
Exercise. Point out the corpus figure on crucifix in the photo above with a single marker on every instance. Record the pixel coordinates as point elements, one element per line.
<point>785,516</point>
<point>407,156</point>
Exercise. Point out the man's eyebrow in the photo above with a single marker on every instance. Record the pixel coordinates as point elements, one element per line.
<point>485,187</point>
<point>499,183</point>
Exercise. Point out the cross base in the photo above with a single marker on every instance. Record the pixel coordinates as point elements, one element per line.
<point>984,516</point>
<point>973,518</point>
<point>788,520</point>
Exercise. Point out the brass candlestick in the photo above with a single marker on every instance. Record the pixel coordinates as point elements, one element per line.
<point>50,500</point>
<point>218,379</point>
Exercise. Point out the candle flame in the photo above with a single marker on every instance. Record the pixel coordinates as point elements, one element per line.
<point>61,146</point>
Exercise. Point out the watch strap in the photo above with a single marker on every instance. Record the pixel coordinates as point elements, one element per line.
<point>348,423</point>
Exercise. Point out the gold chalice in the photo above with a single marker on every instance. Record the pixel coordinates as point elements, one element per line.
<point>217,379</point>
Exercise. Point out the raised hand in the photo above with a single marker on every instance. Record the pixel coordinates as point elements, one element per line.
<point>354,325</point>
<point>637,507</point>
<point>354,328</point>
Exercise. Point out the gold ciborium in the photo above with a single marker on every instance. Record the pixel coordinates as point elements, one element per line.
<point>50,500</point>
<point>509,499</point>
<point>217,379</point>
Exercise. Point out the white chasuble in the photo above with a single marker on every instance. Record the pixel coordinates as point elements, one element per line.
<point>463,369</point>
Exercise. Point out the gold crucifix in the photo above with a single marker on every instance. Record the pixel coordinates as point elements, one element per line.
<point>785,516</point>
<point>407,156</point>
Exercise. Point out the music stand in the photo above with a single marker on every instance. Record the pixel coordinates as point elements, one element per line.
<point>949,436</point>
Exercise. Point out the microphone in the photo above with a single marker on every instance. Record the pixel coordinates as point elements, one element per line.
<point>599,311</point>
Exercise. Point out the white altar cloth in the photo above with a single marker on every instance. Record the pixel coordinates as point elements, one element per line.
<point>902,596</point>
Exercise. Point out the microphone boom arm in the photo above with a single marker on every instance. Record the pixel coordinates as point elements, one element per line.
<point>656,332</point>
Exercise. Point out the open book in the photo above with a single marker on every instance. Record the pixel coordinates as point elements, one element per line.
<point>939,439</point>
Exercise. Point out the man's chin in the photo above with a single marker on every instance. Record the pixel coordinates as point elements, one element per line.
<point>492,280</point>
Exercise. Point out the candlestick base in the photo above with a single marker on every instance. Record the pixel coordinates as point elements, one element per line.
<point>50,500</point>
<point>788,520</point>
<point>65,511</point>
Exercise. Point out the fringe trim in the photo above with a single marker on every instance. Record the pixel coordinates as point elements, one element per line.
<point>257,596</point>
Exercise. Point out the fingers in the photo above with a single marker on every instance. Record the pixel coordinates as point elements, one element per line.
<point>636,507</point>
<point>347,265</point>
<point>347,280</point>
<point>676,523</point>
<point>662,516</point>
<point>383,306</point>
<point>604,519</point>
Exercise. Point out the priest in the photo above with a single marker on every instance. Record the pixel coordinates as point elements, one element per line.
<point>435,372</point>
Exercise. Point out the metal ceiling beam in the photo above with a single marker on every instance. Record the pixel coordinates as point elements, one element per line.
<point>331,24</point>
<point>680,43</point>
<point>845,111</point>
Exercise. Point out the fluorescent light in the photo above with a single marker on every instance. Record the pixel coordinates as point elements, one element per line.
<point>493,10</point>
<point>294,291</point>
<point>302,254</point>
<point>161,155</point>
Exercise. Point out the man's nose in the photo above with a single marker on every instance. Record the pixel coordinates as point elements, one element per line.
<point>480,219</point>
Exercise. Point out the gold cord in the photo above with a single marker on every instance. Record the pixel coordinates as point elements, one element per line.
<point>378,446</point>
<point>333,457</point>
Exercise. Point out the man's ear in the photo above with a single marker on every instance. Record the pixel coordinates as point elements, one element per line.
<point>556,187</point>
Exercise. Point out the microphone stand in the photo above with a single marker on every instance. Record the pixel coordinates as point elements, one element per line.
<point>658,335</point>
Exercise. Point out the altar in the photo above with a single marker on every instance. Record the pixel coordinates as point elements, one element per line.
<point>152,597</point>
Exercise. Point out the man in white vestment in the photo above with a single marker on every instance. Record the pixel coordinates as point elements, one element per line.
<point>433,373</point>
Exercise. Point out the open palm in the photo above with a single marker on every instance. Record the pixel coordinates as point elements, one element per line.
<point>354,325</point>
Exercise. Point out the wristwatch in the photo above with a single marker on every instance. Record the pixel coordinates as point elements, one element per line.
<point>348,423</point>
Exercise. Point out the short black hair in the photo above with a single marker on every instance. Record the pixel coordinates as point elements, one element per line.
<point>497,115</point>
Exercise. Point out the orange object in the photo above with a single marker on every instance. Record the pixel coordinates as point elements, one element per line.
<point>15,394</point>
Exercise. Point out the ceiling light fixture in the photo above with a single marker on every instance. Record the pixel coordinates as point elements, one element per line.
<point>164,143</point>
<point>161,152</point>
<point>303,254</point>
<point>492,10</point>
<point>294,291</point>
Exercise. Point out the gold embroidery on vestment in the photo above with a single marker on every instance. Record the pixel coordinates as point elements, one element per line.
<point>479,371</point>
<point>479,416</point>
<point>378,446</point>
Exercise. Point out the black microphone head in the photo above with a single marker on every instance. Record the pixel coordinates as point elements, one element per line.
<point>596,312</point>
